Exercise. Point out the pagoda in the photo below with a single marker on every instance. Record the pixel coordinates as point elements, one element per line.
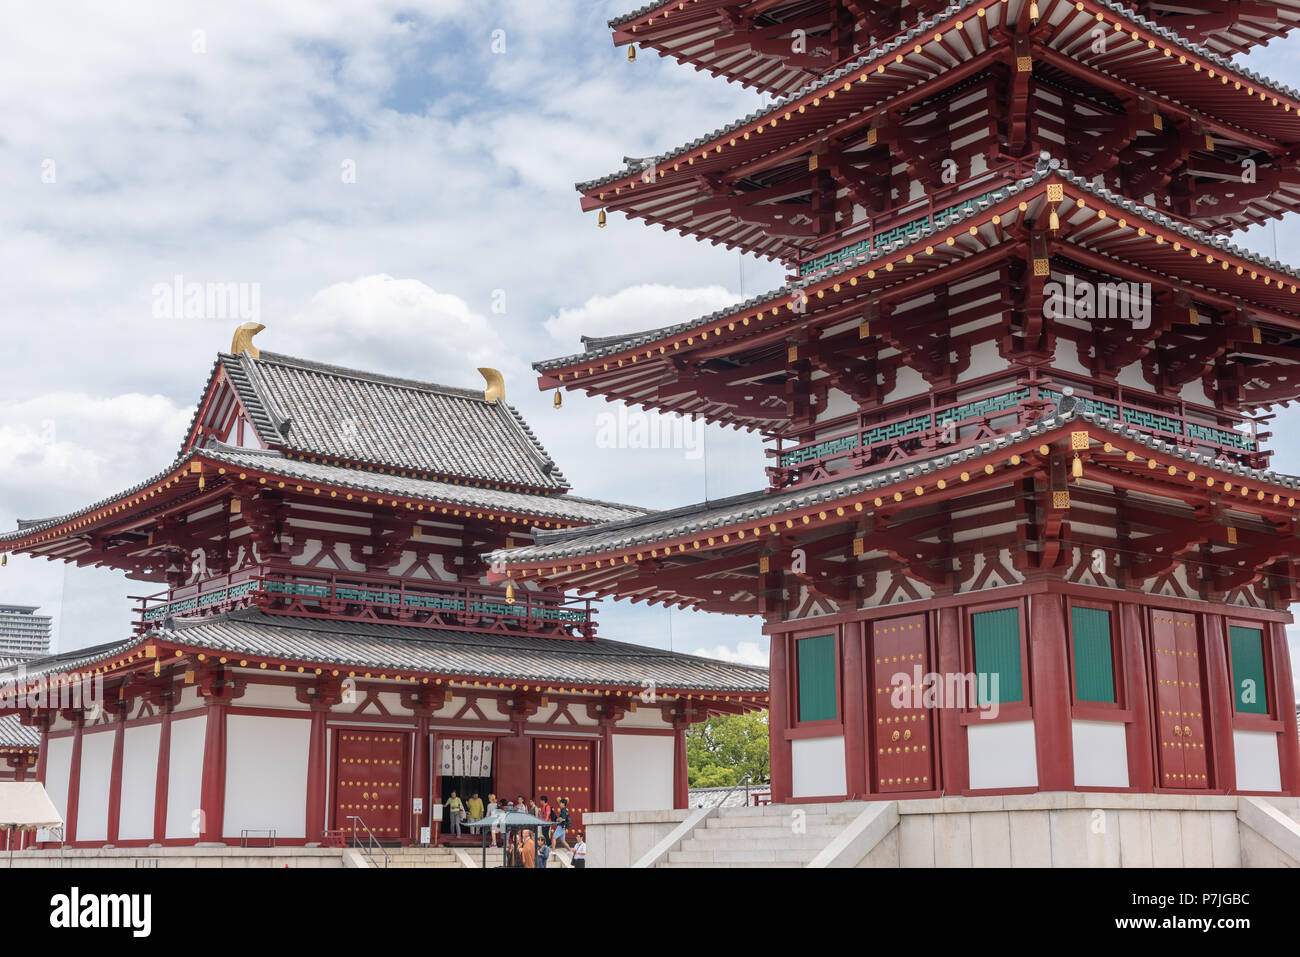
<point>323,658</point>
<point>1018,532</point>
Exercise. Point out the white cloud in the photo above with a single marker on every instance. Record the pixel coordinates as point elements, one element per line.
<point>745,653</point>
<point>637,308</point>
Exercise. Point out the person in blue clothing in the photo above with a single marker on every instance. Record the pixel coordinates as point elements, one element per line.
<point>563,821</point>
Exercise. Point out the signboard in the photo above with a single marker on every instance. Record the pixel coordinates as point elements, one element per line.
<point>418,807</point>
<point>437,812</point>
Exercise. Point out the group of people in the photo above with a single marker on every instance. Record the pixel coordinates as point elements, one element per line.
<point>522,848</point>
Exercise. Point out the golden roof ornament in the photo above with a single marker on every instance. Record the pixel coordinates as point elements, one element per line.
<point>496,385</point>
<point>243,341</point>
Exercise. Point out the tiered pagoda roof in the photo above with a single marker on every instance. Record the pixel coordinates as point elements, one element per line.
<point>750,41</point>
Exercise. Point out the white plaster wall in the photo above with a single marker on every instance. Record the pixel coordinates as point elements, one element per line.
<point>266,774</point>
<point>185,775</point>
<point>269,696</point>
<point>643,772</point>
<point>1100,754</point>
<point>139,782</point>
<point>645,716</point>
<point>96,772</point>
<point>1258,767</point>
<point>58,772</point>
<point>817,766</point>
<point>1002,754</point>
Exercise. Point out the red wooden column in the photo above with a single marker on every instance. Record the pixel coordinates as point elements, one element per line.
<point>163,779</point>
<point>74,777</point>
<point>420,778</point>
<point>855,710</point>
<point>1218,699</point>
<point>212,818</point>
<point>605,773</point>
<point>1049,682</point>
<point>1288,743</point>
<point>320,697</point>
<point>778,719</point>
<point>681,788</point>
<point>1140,737</point>
<point>954,761</point>
<point>42,722</point>
<point>119,711</point>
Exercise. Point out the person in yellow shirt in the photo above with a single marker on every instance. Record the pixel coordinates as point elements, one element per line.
<point>475,805</point>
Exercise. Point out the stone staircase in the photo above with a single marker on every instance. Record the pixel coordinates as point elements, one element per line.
<point>763,836</point>
<point>407,857</point>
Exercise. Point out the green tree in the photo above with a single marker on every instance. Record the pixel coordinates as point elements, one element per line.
<point>720,751</point>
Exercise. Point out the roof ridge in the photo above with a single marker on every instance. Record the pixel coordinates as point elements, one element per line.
<point>379,378</point>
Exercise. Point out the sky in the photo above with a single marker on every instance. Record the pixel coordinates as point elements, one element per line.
<point>392,185</point>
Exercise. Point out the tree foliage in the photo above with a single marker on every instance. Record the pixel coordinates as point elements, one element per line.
<point>722,750</point>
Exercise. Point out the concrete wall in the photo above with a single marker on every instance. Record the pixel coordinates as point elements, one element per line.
<point>620,838</point>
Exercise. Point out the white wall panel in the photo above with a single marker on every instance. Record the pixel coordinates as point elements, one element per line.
<point>1100,754</point>
<point>817,766</point>
<point>266,775</point>
<point>139,782</point>
<point>185,776</point>
<point>96,777</point>
<point>1002,754</point>
<point>643,772</point>
<point>1258,767</point>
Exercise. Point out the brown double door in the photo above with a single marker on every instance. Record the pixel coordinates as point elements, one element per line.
<point>901,733</point>
<point>370,781</point>
<point>564,768</point>
<point>1180,700</point>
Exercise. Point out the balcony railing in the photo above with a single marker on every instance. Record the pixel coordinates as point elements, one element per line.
<point>954,418</point>
<point>353,596</point>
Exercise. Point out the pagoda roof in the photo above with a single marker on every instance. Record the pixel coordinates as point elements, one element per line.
<point>16,736</point>
<point>311,408</point>
<point>1241,111</point>
<point>595,559</point>
<point>398,489</point>
<point>625,367</point>
<point>403,655</point>
<point>690,31</point>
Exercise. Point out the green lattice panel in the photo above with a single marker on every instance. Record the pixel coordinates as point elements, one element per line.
<point>896,430</point>
<point>820,450</point>
<point>1223,437</point>
<point>1095,406</point>
<point>989,406</point>
<point>1150,420</point>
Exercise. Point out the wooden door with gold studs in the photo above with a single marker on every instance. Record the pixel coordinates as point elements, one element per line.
<point>902,747</point>
<point>1180,700</point>
<point>370,781</point>
<point>565,768</point>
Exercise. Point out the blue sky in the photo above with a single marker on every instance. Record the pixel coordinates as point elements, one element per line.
<point>208,140</point>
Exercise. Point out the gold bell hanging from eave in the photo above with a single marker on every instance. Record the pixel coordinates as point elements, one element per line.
<point>510,593</point>
<point>602,219</point>
<point>1033,12</point>
<point>558,400</point>
<point>631,53</point>
<point>4,559</point>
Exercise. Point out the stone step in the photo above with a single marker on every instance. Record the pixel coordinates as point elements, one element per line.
<point>783,864</point>
<point>722,841</point>
<point>810,821</point>
<point>775,829</point>
<point>756,855</point>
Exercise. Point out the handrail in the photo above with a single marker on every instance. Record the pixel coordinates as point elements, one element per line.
<point>371,844</point>
<point>745,781</point>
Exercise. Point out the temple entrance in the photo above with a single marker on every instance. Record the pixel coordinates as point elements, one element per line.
<point>370,781</point>
<point>563,767</point>
<point>1180,700</point>
<point>466,766</point>
<point>901,749</point>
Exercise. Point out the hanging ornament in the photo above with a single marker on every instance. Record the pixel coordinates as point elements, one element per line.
<point>1033,12</point>
<point>631,53</point>
<point>4,559</point>
<point>559,399</point>
<point>510,593</point>
<point>1077,467</point>
<point>1054,221</point>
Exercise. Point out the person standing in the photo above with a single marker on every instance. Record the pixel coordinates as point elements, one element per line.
<point>543,852</point>
<point>544,812</point>
<point>491,810</point>
<point>580,853</point>
<point>475,808</point>
<point>455,811</point>
<point>528,850</point>
<point>563,820</point>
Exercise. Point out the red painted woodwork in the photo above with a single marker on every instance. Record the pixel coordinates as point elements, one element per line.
<point>1049,692</point>
<point>1180,700</point>
<point>421,746</point>
<point>565,768</point>
<point>1141,763</point>
<point>955,771</point>
<point>1290,756</point>
<point>212,808</point>
<point>902,736</point>
<point>370,781</point>
<point>74,778</point>
<point>856,759</point>
<point>1218,697</point>
<point>681,782</point>
<point>115,776</point>
<point>316,775</point>
<point>164,773</point>
<point>778,719</point>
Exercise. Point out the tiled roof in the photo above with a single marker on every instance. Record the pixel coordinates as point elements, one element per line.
<point>1047,166</point>
<point>565,544</point>
<point>558,506</point>
<point>339,413</point>
<point>14,734</point>
<point>888,48</point>
<point>435,651</point>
